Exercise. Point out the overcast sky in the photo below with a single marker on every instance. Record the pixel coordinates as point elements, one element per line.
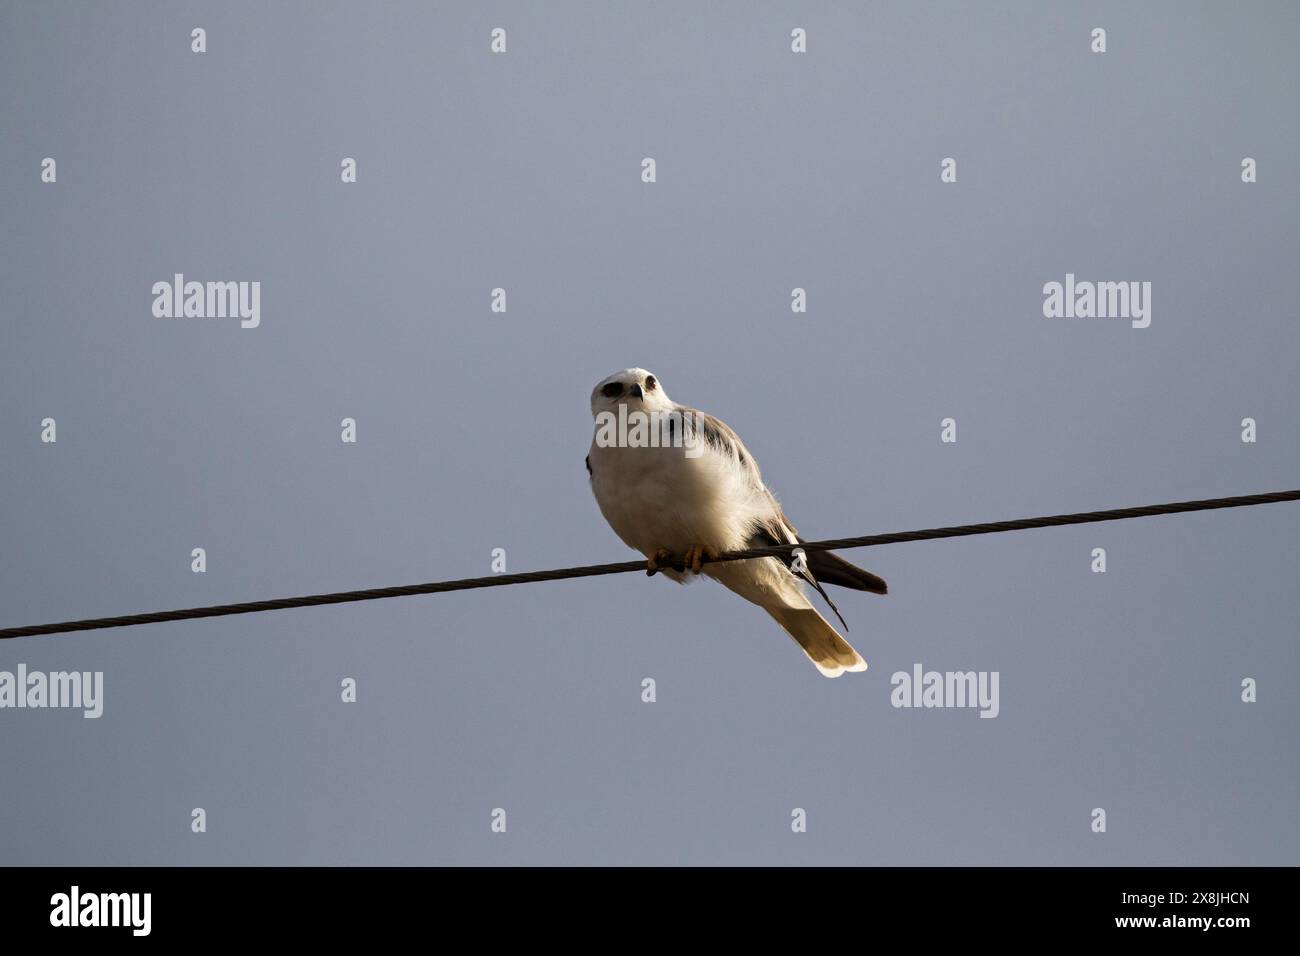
<point>522,171</point>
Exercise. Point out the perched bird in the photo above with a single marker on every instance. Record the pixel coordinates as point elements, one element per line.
<point>684,488</point>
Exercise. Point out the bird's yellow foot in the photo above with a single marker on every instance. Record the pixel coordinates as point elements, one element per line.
<point>697,554</point>
<point>663,558</point>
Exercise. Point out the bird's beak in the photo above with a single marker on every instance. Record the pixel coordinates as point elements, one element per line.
<point>635,391</point>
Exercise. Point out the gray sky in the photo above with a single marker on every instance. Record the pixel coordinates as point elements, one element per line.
<point>775,170</point>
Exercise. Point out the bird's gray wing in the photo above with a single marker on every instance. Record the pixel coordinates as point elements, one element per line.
<point>822,565</point>
<point>777,529</point>
<point>720,436</point>
<point>833,569</point>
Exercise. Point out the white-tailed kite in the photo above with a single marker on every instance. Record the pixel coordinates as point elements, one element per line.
<point>677,484</point>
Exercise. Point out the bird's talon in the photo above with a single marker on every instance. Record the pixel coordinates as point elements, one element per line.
<point>663,558</point>
<point>697,555</point>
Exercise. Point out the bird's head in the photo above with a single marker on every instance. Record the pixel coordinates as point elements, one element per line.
<point>636,388</point>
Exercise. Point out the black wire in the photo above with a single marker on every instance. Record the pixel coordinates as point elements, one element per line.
<point>622,567</point>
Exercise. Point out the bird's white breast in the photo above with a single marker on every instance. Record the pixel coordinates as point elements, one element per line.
<point>660,498</point>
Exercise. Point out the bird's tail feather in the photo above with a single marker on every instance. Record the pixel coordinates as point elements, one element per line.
<point>830,653</point>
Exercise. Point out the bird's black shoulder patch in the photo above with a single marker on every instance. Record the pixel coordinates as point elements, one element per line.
<point>722,438</point>
<point>717,437</point>
<point>588,461</point>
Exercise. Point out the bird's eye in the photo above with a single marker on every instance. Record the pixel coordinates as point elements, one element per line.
<point>650,383</point>
<point>612,390</point>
